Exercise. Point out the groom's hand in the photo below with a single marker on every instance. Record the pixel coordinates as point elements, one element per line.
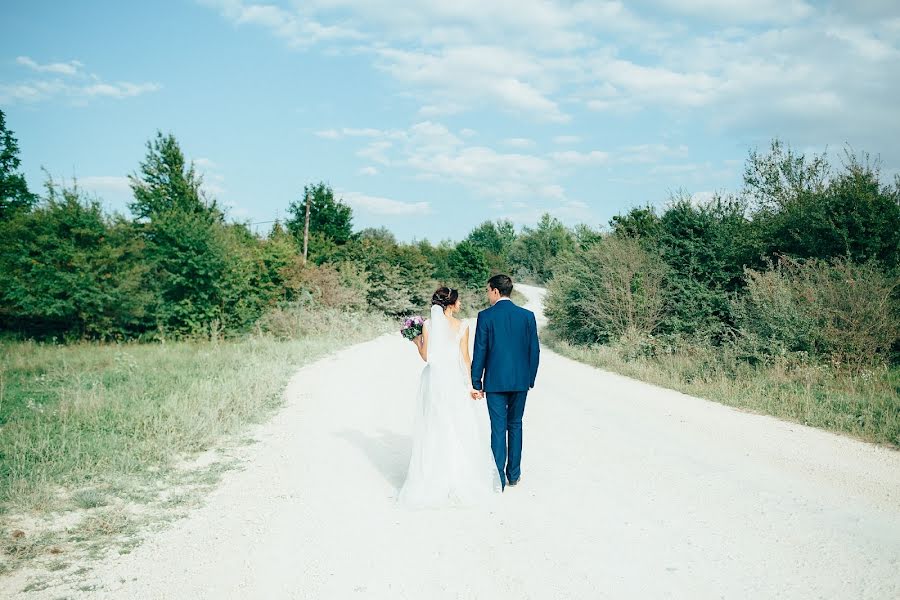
<point>476,395</point>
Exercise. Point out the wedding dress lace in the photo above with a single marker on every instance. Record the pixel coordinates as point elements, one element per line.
<point>451,460</point>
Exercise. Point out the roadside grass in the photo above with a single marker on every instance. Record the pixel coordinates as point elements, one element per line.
<point>864,405</point>
<point>100,441</point>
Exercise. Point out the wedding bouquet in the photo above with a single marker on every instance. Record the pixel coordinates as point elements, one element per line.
<point>412,328</point>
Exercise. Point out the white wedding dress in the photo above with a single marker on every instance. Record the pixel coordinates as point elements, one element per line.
<point>451,461</point>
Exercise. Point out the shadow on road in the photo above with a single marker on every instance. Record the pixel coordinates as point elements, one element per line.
<point>388,451</point>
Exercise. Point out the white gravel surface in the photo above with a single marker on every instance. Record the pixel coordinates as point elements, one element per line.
<point>628,491</point>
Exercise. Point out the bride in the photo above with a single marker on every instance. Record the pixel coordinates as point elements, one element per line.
<point>451,460</point>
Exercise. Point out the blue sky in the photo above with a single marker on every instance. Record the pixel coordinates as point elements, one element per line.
<point>429,116</point>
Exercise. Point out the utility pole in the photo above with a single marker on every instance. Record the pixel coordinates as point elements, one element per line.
<point>306,229</point>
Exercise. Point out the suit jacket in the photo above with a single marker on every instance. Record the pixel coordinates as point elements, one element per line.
<point>507,351</point>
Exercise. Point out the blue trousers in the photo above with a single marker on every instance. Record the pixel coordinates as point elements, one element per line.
<point>506,410</point>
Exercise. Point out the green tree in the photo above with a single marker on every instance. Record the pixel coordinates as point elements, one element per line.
<point>277,252</point>
<point>68,270</point>
<point>248,286</point>
<point>189,262</point>
<point>185,246</point>
<point>14,194</point>
<point>166,182</point>
<point>706,248</point>
<point>495,240</point>
<point>642,223</point>
<point>535,251</point>
<point>468,265</point>
<point>438,256</point>
<point>586,237</point>
<point>398,274</point>
<point>853,215</point>
<point>378,233</point>
<point>780,177</point>
<point>330,220</point>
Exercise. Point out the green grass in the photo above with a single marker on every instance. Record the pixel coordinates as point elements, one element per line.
<point>98,428</point>
<point>864,405</point>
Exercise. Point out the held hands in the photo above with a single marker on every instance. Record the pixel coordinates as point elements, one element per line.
<point>476,394</point>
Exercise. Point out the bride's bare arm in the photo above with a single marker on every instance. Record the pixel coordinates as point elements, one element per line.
<point>422,343</point>
<point>464,348</point>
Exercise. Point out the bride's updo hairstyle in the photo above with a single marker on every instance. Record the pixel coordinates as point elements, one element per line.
<point>444,297</point>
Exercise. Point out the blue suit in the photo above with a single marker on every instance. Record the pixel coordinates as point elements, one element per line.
<point>504,366</point>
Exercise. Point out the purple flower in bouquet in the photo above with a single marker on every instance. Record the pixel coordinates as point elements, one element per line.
<point>412,327</point>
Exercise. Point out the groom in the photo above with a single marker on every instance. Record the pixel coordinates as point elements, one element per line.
<point>504,366</point>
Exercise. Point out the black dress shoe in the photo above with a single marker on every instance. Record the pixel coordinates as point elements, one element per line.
<point>514,483</point>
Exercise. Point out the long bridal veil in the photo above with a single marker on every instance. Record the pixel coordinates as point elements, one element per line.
<point>451,460</point>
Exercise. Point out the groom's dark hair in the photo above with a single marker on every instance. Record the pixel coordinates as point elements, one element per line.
<point>501,283</point>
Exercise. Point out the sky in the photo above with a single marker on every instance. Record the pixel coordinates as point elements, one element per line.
<point>429,117</point>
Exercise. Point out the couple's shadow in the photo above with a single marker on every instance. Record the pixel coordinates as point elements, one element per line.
<point>389,452</point>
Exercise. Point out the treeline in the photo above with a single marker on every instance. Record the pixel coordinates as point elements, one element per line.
<point>177,268</point>
<point>803,261</point>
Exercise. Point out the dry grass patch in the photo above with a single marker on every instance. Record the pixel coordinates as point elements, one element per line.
<point>98,442</point>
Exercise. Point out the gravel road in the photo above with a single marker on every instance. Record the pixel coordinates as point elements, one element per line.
<point>628,491</point>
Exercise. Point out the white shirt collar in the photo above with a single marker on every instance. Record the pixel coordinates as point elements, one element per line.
<point>503,298</point>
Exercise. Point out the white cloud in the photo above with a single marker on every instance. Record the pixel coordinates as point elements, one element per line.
<point>574,158</point>
<point>78,87</point>
<point>368,170</point>
<point>376,152</point>
<point>527,214</point>
<point>363,132</point>
<point>60,68</point>
<point>473,76</point>
<point>430,151</point>
<point>566,139</point>
<point>213,181</point>
<point>519,142</point>
<point>46,90</point>
<point>385,206</point>
<point>866,45</point>
<point>651,153</point>
<point>746,68</point>
<point>336,134</point>
<point>702,198</point>
<point>205,163</point>
<point>101,184</point>
<point>741,11</point>
<point>626,85</point>
<point>292,27</point>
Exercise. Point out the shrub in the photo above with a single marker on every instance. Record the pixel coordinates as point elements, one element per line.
<point>389,292</point>
<point>296,320</point>
<point>342,286</point>
<point>612,288</point>
<point>839,310</point>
